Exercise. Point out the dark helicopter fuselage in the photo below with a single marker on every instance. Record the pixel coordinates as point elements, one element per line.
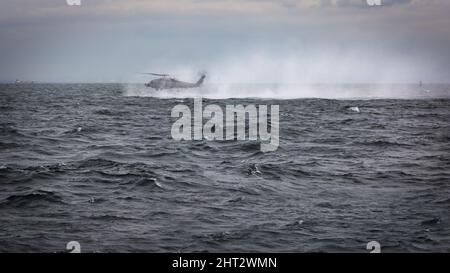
<point>170,83</point>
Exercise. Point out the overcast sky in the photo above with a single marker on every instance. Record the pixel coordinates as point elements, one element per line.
<point>302,41</point>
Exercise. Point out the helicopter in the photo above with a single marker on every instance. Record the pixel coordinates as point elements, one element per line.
<point>167,82</point>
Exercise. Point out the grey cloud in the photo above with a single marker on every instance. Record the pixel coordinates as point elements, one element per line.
<point>360,3</point>
<point>113,37</point>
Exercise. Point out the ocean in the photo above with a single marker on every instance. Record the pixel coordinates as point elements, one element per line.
<point>96,164</point>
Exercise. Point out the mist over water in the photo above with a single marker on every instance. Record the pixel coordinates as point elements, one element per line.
<point>297,91</point>
<point>334,74</point>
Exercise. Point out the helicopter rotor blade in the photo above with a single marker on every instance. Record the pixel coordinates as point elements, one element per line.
<point>156,74</point>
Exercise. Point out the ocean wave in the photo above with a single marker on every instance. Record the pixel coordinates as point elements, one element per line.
<point>380,143</point>
<point>84,158</point>
<point>34,198</point>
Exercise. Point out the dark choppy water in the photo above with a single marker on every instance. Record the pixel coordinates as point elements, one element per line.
<point>87,163</point>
